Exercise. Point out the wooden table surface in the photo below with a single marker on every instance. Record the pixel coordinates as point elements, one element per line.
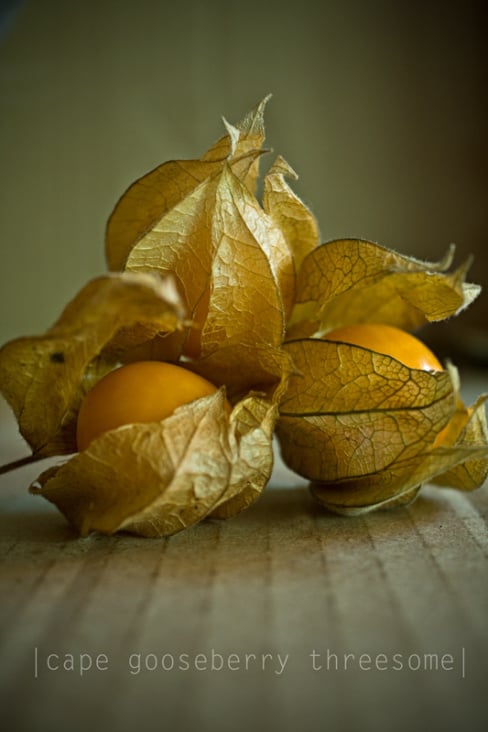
<point>283,618</point>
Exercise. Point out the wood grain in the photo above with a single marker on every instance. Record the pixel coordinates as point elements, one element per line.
<point>268,589</point>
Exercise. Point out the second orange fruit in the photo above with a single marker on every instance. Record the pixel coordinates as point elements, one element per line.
<point>143,391</point>
<point>390,341</point>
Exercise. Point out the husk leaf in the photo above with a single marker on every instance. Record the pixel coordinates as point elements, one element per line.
<point>159,478</point>
<point>219,241</point>
<point>368,431</point>
<point>459,460</point>
<point>44,377</point>
<point>251,439</point>
<point>163,188</point>
<point>467,429</point>
<point>218,281</point>
<point>349,281</point>
<point>351,412</point>
<point>295,220</point>
<point>399,483</point>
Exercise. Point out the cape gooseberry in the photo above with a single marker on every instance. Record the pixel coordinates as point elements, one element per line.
<point>390,341</point>
<point>394,342</point>
<point>142,391</point>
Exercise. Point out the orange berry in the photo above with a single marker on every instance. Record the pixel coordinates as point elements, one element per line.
<point>143,391</point>
<point>390,341</point>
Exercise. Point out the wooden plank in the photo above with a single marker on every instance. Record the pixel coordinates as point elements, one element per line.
<point>292,609</point>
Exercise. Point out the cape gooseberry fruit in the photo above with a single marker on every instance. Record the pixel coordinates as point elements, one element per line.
<point>390,341</point>
<point>394,342</point>
<point>143,391</point>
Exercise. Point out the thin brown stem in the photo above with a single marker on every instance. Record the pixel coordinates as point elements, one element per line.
<point>27,460</point>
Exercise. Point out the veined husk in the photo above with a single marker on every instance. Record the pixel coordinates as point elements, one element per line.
<point>150,479</point>
<point>239,291</point>
<point>186,228</point>
<point>346,281</point>
<point>365,429</point>
<point>234,261</point>
<point>45,377</point>
<point>162,189</point>
<point>156,479</point>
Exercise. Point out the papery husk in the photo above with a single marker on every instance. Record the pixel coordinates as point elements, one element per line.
<point>159,478</point>
<point>234,260</point>
<point>467,429</point>
<point>220,241</point>
<point>400,483</point>
<point>459,461</point>
<point>245,366</point>
<point>44,377</point>
<point>251,439</point>
<point>351,412</point>
<point>295,220</point>
<point>216,282</point>
<point>368,431</point>
<point>348,281</point>
<point>160,190</point>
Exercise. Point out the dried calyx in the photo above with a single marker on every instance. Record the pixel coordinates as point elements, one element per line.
<point>241,292</point>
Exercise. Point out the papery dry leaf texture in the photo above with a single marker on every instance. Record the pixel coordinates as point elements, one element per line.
<point>296,221</point>
<point>234,261</point>
<point>44,377</point>
<point>467,430</point>
<point>240,292</point>
<point>156,479</point>
<point>215,241</point>
<point>283,205</point>
<point>160,190</point>
<point>465,466</point>
<point>252,425</point>
<point>363,427</point>
<point>354,281</point>
<point>350,411</point>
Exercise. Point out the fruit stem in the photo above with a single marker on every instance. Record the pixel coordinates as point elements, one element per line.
<point>27,460</point>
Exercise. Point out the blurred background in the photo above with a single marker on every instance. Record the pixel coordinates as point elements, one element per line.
<point>380,107</point>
